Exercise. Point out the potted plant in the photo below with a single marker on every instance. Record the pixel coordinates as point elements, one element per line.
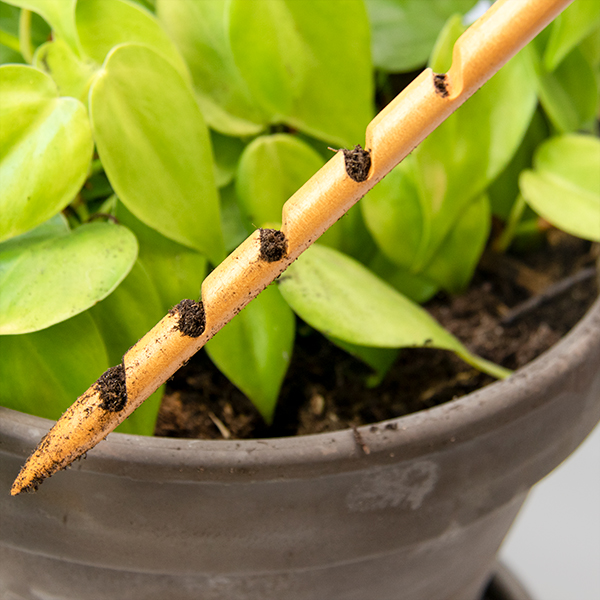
<point>148,511</point>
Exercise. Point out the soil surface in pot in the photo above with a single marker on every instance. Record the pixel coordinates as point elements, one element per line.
<point>326,389</point>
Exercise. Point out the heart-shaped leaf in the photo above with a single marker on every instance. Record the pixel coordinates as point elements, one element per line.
<point>42,373</point>
<point>564,186</point>
<point>45,149</point>
<point>46,280</point>
<point>343,299</point>
<point>309,64</point>
<point>155,147</point>
<point>200,31</point>
<point>104,24</point>
<point>254,349</point>
<point>271,169</point>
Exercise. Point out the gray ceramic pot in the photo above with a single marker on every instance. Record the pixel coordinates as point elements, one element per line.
<point>420,517</point>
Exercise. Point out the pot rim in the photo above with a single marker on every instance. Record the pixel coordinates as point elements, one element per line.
<point>409,436</point>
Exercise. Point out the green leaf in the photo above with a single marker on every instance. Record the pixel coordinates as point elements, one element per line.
<point>104,24</point>
<point>379,359</point>
<point>200,31</point>
<point>175,270</point>
<point>457,162</point>
<point>42,373</point>
<point>504,190</point>
<point>130,311</point>
<point>45,149</point>
<point>148,4</point>
<point>227,151</point>
<point>10,47</point>
<point>46,280</point>
<point>569,94</point>
<point>155,148</point>
<point>394,215</point>
<point>453,265</point>
<point>272,168</point>
<point>394,211</point>
<point>351,236</point>
<point>59,14</point>
<point>415,287</point>
<point>56,226</point>
<point>307,63</point>
<point>575,23</point>
<point>254,349</point>
<point>590,47</point>
<point>236,227</point>
<point>564,187</point>
<point>71,74</point>
<point>411,214</point>
<point>9,19</point>
<point>7,54</point>
<point>10,50</point>
<point>404,31</point>
<point>343,299</point>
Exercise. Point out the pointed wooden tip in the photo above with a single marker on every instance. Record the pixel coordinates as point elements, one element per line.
<point>81,427</point>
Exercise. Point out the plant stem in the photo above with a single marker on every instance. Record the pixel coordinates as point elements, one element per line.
<point>25,45</point>
<point>507,236</point>
<point>486,366</point>
<point>485,47</point>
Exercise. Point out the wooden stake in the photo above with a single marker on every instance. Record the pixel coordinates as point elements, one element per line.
<point>489,43</point>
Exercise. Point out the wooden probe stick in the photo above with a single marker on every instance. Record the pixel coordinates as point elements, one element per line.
<point>491,41</point>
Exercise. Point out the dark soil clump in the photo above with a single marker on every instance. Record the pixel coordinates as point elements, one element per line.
<point>192,319</point>
<point>273,245</point>
<point>440,82</point>
<point>112,389</point>
<point>326,389</point>
<point>358,163</point>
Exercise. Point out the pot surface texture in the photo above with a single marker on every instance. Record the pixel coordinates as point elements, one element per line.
<point>419,517</point>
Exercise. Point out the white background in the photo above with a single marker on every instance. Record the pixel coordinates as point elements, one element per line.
<point>554,546</point>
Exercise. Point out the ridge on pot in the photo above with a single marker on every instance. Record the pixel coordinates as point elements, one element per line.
<point>425,511</point>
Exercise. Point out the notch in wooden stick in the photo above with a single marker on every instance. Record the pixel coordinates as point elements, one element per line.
<point>491,41</point>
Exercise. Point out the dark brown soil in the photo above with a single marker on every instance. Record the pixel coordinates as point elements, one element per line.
<point>192,319</point>
<point>273,245</point>
<point>326,389</point>
<point>358,163</point>
<point>112,389</point>
<point>440,82</point>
